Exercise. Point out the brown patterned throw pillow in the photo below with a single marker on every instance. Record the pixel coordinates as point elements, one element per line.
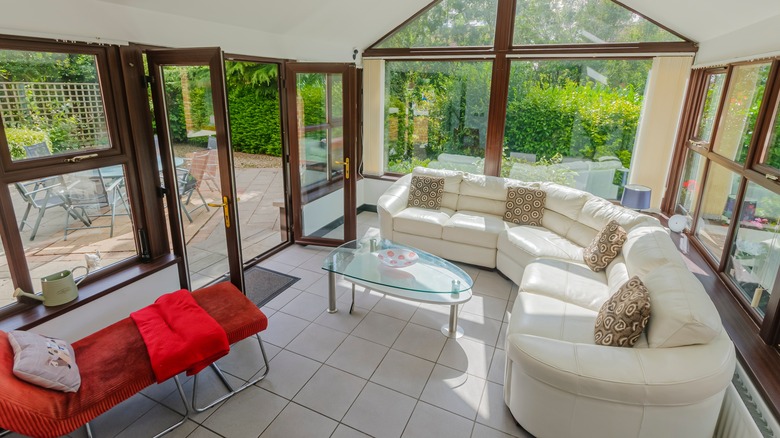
<point>525,206</point>
<point>623,317</point>
<point>426,192</point>
<point>605,246</point>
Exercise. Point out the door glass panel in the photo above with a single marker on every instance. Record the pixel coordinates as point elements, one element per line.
<point>62,218</point>
<point>190,113</point>
<point>256,138</point>
<point>755,254</point>
<point>717,208</point>
<point>690,185</point>
<point>710,107</point>
<point>319,106</point>
<point>743,102</point>
<point>51,103</point>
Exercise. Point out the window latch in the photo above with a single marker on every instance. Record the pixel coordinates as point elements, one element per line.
<point>770,176</point>
<point>79,158</point>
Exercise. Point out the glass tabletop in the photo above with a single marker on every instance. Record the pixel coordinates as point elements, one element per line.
<point>372,260</point>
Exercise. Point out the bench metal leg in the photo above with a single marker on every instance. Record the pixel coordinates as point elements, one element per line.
<point>184,419</point>
<point>231,392</point>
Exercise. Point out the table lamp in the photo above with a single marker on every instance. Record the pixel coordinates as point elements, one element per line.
<point>636,197</point>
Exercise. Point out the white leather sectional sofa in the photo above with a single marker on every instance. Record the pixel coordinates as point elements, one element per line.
<point>558,382</point>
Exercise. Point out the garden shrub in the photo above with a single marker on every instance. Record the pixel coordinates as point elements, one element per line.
<point>254,123</point>
<point>20,137</point>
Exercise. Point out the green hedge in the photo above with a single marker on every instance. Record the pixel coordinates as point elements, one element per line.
<point>254,123</point>
<point>20,137</point>
<point>573,120</point>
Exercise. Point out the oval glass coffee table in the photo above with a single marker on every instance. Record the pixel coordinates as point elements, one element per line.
<point>430,279</point>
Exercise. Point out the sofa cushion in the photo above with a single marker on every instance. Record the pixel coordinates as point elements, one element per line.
<point>422,222</point>
<point>566,281</point>
<point>623,317</point>
<point>524,206</point>
<point>683,313</point>
<point>486,194</point>
<point>547,317</point>
<point>597,212</point>
<point>526,244</point>
<point>648,247</point>
<point>474,228</point>
<point>452,180</point>
<point>425,192</point>
<point>605,246</point>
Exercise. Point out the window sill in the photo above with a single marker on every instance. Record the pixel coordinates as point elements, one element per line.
<point>385,177</point>
<point>25,319</point>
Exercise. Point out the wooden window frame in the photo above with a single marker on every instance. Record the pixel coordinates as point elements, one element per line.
<point>756,338</point>
<point>125,105</point>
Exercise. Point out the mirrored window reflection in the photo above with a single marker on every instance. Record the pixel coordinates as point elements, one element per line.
<point>741,108</point>
<point>574,122</point>
<point>718,208</point>
<point>690,184</point>
<point>710,107</point>
<point>51,103</point>
<point>755,254</point>
<point>436,115</point>
<point>63,218</point>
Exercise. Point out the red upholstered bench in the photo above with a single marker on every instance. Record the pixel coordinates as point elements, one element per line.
<point>114,365</point>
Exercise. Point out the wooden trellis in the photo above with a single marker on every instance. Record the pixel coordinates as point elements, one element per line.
<point>39,105</point>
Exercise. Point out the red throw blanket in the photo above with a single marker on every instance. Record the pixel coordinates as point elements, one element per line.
<point>179,335</point>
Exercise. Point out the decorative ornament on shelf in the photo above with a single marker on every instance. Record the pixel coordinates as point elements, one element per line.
<point>60,288</point>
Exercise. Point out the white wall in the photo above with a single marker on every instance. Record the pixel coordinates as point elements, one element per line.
<point>323,211</point>
<point>761,39</point>
<point>89,20</point>
<point>373,189</point>
<point>111,308</point>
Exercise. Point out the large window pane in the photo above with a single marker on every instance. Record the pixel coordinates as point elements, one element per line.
<point>582,22</point>
<point>718,206</point>
<point>743,102</point>
<point>321,145</point>
<point>689,189</point>
<point>63,217</point>
<point>436,115</point>
<point>450,23</point>
<point>573,122</point>
<point>771,155</point>
<point>51,103</point>
<point>710,107</point>
<point>755,254</point>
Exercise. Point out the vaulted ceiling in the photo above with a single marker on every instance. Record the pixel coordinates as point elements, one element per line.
<point>328,30</point>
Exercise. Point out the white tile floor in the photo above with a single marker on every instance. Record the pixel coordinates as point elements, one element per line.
<point>384,371</point>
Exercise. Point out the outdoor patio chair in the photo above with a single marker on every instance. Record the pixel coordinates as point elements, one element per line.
<point>44,194</point>
<point>37,150</point>
<point>92,199</point>
<point>187,186</point>
<point>205,168</point>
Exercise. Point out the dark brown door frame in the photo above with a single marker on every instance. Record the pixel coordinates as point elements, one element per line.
<point>211,57</point>
<point>349,75</point>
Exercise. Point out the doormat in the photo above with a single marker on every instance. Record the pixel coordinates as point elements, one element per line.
<point>262,284</point>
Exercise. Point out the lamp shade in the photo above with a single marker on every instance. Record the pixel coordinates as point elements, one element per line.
<point>636,197</point>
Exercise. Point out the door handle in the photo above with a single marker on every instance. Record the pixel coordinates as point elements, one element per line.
<point>346,166</point>
<point>225,209</point>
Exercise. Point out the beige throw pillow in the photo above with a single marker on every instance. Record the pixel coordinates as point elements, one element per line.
<point>623,317</point>
<point>44,361</point>
<point>426,192</point>
<point>605,246</point>
<point>525,206</point>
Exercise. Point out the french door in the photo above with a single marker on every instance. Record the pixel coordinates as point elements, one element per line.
<point>193,143</point>
<point>321,101</point>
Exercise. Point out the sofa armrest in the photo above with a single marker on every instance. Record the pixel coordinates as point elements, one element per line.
<point>638,376</point>
<point>392,202</point>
